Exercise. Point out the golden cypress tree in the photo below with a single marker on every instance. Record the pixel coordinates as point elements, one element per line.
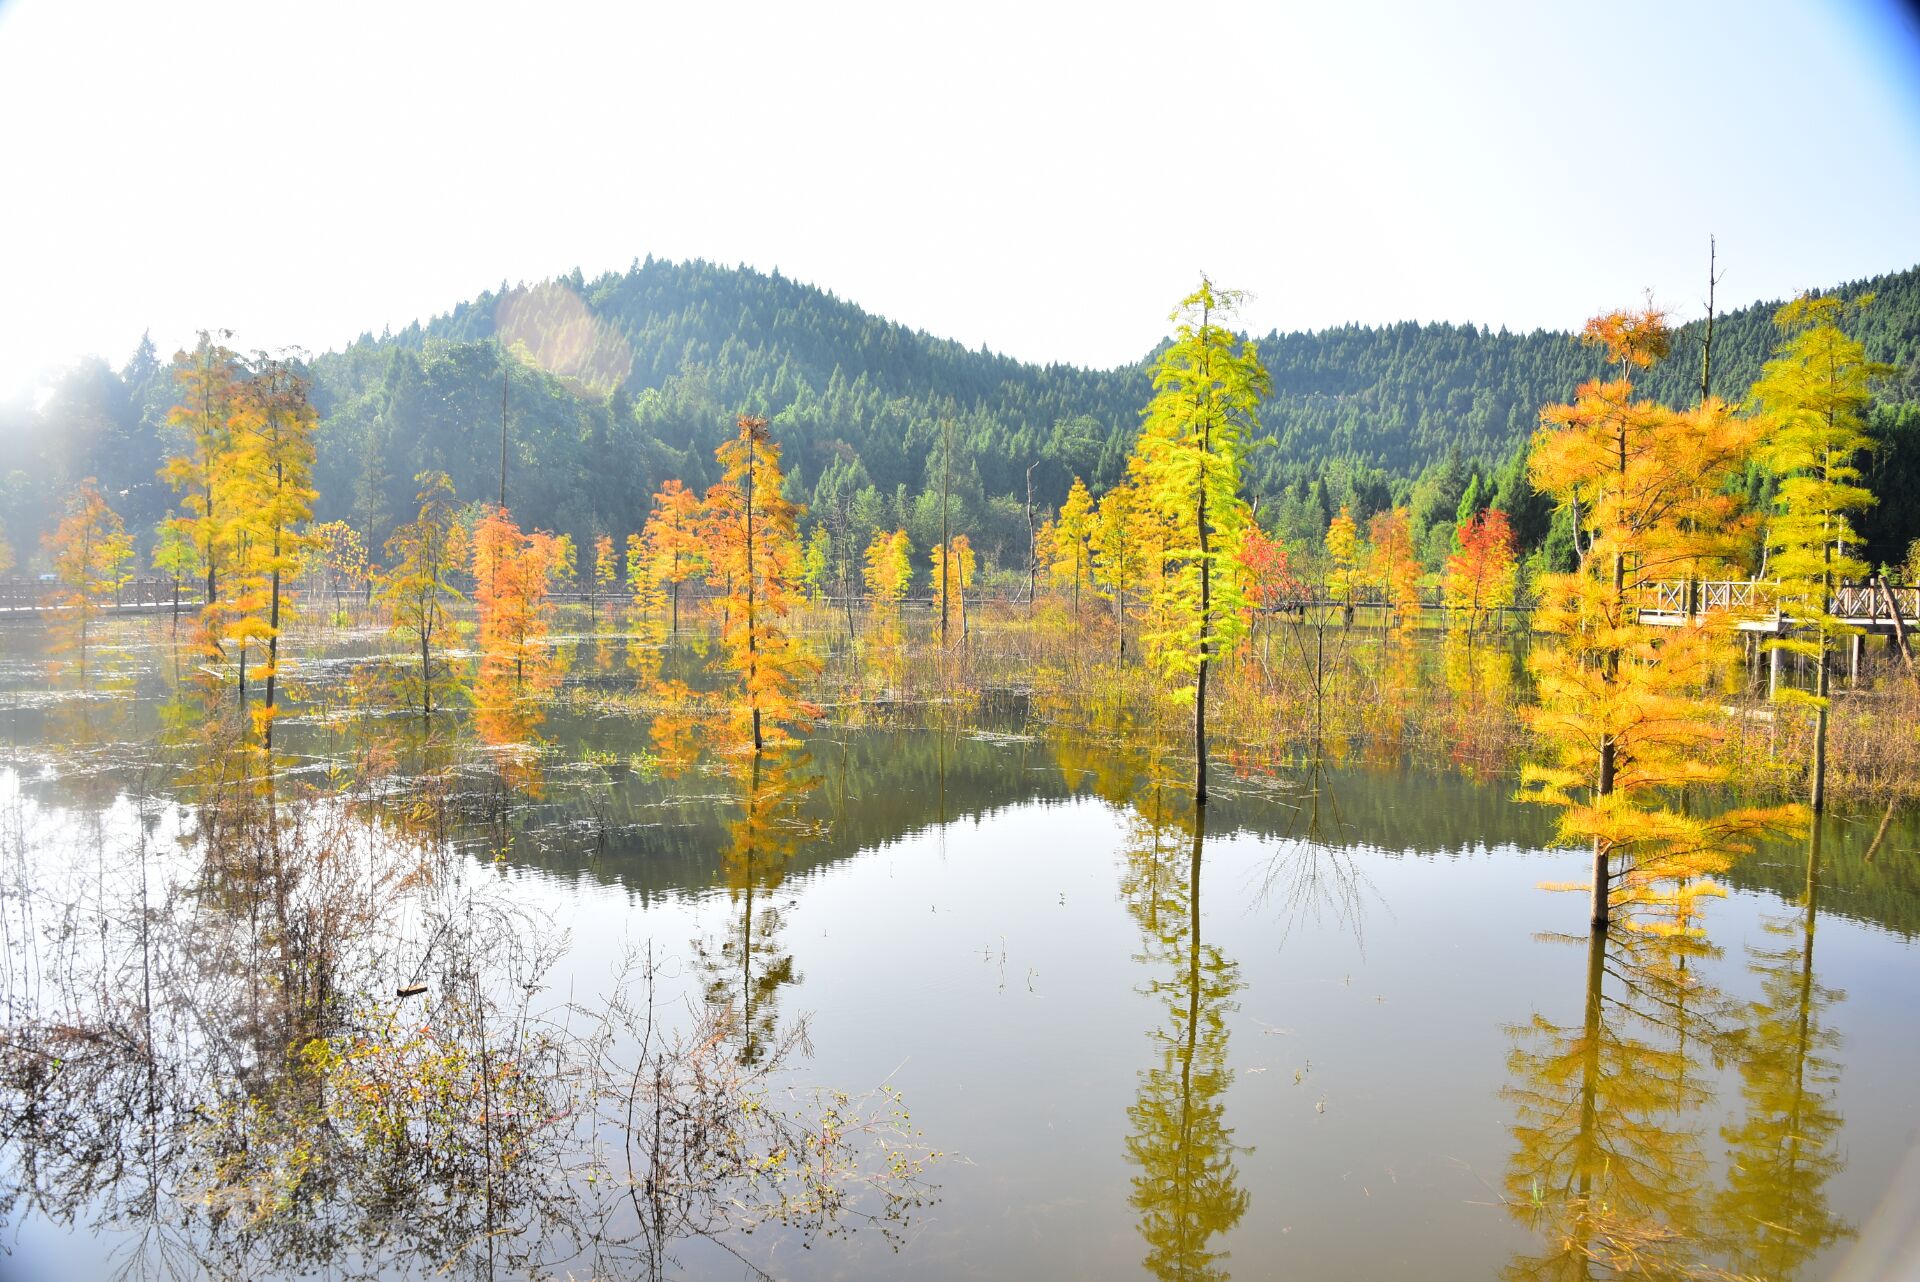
<point>1206,393</point>
<point>1072,532</point>
<point>1618,707</point>
<point>953,570</point>
<point>756,555</point>
<point>89,549</point>
<point>273,495</point>
<point>1395,567</point>
<point>1118,553</point>
<point>208,379</point>
<point>673,551</point>
<point>418,591</point>
<point>1343,549</point>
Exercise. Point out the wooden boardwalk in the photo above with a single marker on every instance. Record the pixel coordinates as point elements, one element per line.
<point>31,599</point>
<point>1875,606</point>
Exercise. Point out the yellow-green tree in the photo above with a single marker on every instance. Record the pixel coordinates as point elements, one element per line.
<point>648,596</point>
<point>418,590</point>
<point>340,555</point>
<point>89,550</point>
<point>1618,707</point>
<point>272,434</point>
<point>953,569</point>
<point>563,568</point>
<point>1811,397</point>
<point>208,379</point>
<point>1072,534</point>
<point>817,564</point>
<point>889,567</point>
<point>1343,549</point>
<point>1206,394</point>
<point>175,556</point>
<point>1121,537</point>
<point>756,555</point>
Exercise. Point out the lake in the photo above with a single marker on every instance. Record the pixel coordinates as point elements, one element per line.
<point>1337,1029</point>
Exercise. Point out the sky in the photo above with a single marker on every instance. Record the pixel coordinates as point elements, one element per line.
<point>1046,180</point>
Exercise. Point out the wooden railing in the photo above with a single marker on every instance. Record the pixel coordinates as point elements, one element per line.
<point>1873,601</point>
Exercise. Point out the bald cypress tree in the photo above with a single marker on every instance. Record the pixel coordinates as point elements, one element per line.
<point>1812,397</point>
<point>1207,387</point>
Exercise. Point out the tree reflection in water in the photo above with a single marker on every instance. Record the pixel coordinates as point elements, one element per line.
<point>1773,1211</point>
<point>1187,1189</point>
<point>1610,1165</point>
<point>269,1037</point>
<point>748,968</point>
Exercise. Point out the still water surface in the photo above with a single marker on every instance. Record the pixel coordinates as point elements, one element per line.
<point>1339,1033</point>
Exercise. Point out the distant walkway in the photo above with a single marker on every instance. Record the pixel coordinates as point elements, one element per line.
<point>26,599</point>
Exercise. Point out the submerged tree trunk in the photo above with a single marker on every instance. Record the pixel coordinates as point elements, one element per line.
<point>1817,802</point>
<point>273,647</point>
<point>1200,682</point>
<point>752,657</point>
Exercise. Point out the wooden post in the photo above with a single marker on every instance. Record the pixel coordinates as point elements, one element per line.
<point>1773,673</point>
<point>1899,624</point>
<point>1855,644</point>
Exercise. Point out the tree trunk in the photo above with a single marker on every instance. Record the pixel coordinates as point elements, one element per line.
<point>1818,801</point>
<point>752,657</point>
<point>946,533</point>
<point>1200,677</point>
<point>1033,548</point>
<point>273,647</point>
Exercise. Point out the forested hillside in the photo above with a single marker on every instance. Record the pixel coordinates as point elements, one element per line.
<point>613,385</point>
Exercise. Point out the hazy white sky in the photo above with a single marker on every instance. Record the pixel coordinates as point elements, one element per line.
<point>1046,179</point>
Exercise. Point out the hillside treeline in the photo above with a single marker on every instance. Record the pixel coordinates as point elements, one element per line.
<point>610,386</point>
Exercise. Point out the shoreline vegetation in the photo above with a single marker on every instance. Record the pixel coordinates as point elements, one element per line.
<point>1162,583</point>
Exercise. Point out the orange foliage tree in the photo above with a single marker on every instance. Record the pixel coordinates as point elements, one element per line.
<point>1268,569</point>
<point>89,550</point>
<point>755,554</point>
<point>1395,567</point>
<point>1480,576</point>
<point>1269,583</point>
<point>672,549</point>
<point>1618,708</point>
<point>510,573</point>
<point>606,571</point>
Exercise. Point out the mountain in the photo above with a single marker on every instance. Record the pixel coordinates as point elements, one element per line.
<point>614,384</point>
